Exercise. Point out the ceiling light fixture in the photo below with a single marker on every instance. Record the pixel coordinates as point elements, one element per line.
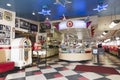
<point>33,13</point>
<point>105,32</point>
<point>107,40</point>
<point>8,4</point>
<point>114,23</point>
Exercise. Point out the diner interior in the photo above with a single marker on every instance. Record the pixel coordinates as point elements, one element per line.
<point>59,40</point>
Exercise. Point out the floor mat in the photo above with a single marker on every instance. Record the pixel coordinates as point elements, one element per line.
<point>97,69</point>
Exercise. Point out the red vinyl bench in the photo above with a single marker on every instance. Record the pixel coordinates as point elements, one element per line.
<point>6,66</point>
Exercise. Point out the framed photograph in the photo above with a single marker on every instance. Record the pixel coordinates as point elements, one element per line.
<point>16,23</point>
<point>1,41</point>
<point>7,16</point>
<point>1,27</point>
<point>50,35</point>
<point>6,41</point>
<point>1,15</point>
<point>24,25</point>
<point>7,34</point>
<point>44,27</point>
<point>33,27</point>
<point>7,28</point>
<point>4,34</point>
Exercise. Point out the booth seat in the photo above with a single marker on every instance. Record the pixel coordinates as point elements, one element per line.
<point>6,66</point>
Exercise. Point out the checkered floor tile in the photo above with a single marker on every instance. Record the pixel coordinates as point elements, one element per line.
<point>62,70</point>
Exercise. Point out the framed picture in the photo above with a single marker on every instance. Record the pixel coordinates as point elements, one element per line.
<point>7,28</point>
<point>7,16</point>
<point>16,23</point>
<point>2,34</point>
<point>24,24</point>
<point>7,41</point>
<point>5,34</point>
<point>33,27</point>
<point>44,27</point>
<point>1,27</point>
<point>1,15</point>
<point>50,35</point>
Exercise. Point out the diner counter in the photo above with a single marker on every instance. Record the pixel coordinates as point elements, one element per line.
<point>75,56</point>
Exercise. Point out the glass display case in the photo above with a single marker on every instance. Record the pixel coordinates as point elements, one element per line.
<point>73,49</point>
<point>75,52</point>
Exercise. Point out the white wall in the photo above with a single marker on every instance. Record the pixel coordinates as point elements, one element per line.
<point>11,23</point>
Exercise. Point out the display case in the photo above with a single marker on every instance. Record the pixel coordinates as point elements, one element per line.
<point>72,49</point>
<point>75,54</point>
<point>21,52</point>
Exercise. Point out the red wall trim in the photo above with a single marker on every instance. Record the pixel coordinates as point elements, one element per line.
<point>5,48</point>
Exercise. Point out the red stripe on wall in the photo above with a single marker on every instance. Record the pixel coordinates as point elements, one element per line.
<point>1,48</point>
<point>5,47</point>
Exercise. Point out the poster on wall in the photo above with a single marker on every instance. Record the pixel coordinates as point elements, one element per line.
<point>4,34</point>
<point>7,16</point>
<point>1,15</point>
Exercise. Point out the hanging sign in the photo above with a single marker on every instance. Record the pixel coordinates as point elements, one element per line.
<point>69,24</point>
<point>72,24</point>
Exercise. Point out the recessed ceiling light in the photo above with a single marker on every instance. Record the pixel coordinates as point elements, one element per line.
<point>105,32</point>
<point>8,4</point>
<point>33,13</point>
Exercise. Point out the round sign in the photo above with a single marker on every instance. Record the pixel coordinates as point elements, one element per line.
<point>69,24</point>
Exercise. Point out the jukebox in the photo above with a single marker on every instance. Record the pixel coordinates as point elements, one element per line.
<point>21,52</point>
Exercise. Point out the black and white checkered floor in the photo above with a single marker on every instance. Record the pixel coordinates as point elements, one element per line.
<point>62,70</point>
